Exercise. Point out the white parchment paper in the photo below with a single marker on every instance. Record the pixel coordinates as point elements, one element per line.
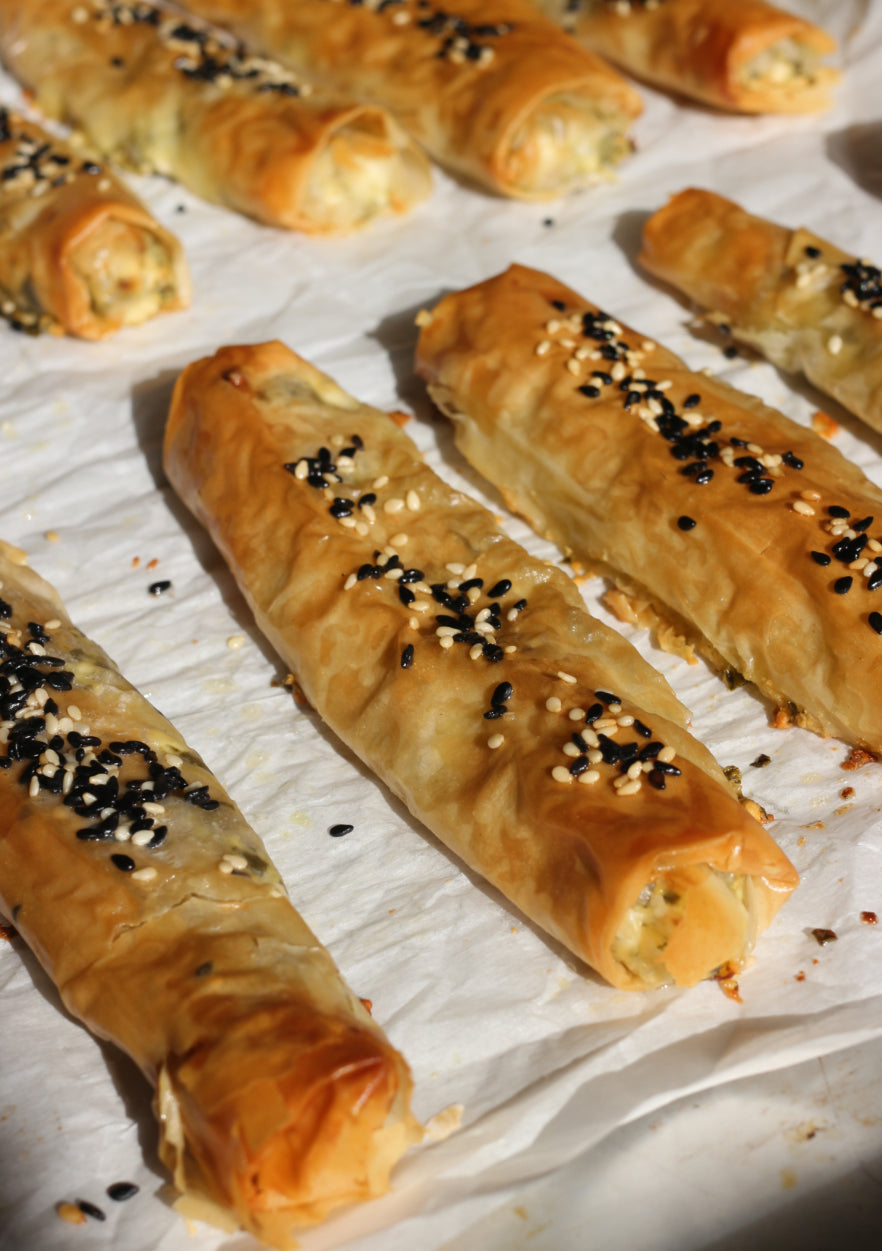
<point>547,1062</point>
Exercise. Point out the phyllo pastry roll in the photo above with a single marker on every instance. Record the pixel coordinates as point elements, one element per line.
<point>742,55</point>
<point>534,741</point>
<point>156,911</point>
<point>490,88</point>
<point>743,533</point>
<point>801,301</point>
<point>79,253</point>
<point>161,94</point>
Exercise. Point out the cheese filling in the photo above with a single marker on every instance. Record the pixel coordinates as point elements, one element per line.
<point>126,271</point>
<point>686,924</point>
<point>562,145</point>
<point>787,63</point>
<point>360,173</point>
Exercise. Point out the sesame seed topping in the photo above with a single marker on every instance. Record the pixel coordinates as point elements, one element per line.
<point>561,773</point>
<point>495,740</point>
<point>553,704</point>
<point>566,677</point>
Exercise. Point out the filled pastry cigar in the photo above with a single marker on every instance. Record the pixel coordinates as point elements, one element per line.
<point>801,301</point>
<point>742,55</point>
<point>160,93</point>
<point>155,910</point>
<point>79,253</point>
<point>491,89</point>
<point>534,741</point>
<point>744,534</point>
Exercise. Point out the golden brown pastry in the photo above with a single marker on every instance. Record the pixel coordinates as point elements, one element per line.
<point>491,89</point>
<point>157,913</point>
<point>743,55</point>
<point>162,94</point>
<point>748,534</point>
<point>79,254</point>
<point>804,303</point>
<point>531,739</point>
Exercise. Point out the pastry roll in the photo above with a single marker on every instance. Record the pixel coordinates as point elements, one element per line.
<point>801,301</point>
<point>747,535</point>
<point>155,910</point>
<point>531,739</point>
<point>161,94</point>
<point>79,254</point>
<point>492,90</point>
<point>743,55</point>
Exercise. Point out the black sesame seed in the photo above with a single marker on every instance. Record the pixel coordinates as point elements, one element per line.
<point>875,620</point>
<point>650,751</point>
<point>502,694</point>
<point>595,711</point>
<point>341,508</point>
<point>656,778</point>
<point>607,697</point>
<point>842,585</point>
<point>579,740</point>
<point>579,765</point>
<point>407,656</point>
<point>158,837</point>
<point>502,587</point>
<point>120,1191</point>
<point>686,523</point>
<point>493,653</point>
<point>204,969</point>
<point>337,831</point>
<point>671,770</point>
<point>730,352</point>
<point>591,391</point>
<point>875,579</point>
<point>158,588</point>
<point>789,458</point>
<point>494,713</point>
<point>812,251</point>
<point>863,524</point>
<point>836,510</point>
<point>405,594</point>
<point>368,498</point>
<point>692,401</point>
<point>559,305</point>
<point>643,730</point>
<point>821,558</point>
<point>761,486</point>
<point>89,1209</point>
<point>848,550</point>
<point>124,863</point>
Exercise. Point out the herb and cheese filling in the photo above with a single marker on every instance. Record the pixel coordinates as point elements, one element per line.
<point>564,144</point>
<point>786,64</point>
<point>686,924</point>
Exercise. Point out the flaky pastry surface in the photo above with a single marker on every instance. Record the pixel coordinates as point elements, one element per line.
<point>492,90</point>
<point>806,304</point>
<point>742,55</point>
<point>753,535</point>
<point>162,94</point>
<point>157,913</point>
<point>79,253</point>
<point>530,738</point>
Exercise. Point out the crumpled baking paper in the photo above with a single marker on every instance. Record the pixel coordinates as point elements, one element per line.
<point>545,1061</point>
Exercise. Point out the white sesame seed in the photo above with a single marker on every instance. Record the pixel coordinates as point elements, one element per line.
<point>446,632</point>
<point>350,582</point>
<point>553,704</point>
<point>348,523</point>
<point>369,513</point>
<point>455,568</point>
<point>874,545</point>
<point>74,713</point>
<point>635,770</point>
<point>235,642</point>
<point>420,606</point>
<point>393,505</point>
<point>301,469</point>
<point>666,755</point>
<point>561,773</point>
<point>446,642</point>
<point>495,740</point>
<point>53,624</point>
<point>34,786</point>
<point>413,501</point>
<point>381,481</point>
<point>573,366</point>
<point>543,347</point>
<point>147,874</point>
<point>570,749</point>
<point>566,677</point>
<point>552,326</point>
<point>476,651</point>
<point>123,833</point>
<point>393,574</point>
<point>399,540</point>
<point>626,719</point>
<point>589,777</point>
<point>511,647</point>
<point>141,838</point>
<point>577,714</point>
<point>834,344</point>
<point>413,622</point>
<point>630,787</point>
